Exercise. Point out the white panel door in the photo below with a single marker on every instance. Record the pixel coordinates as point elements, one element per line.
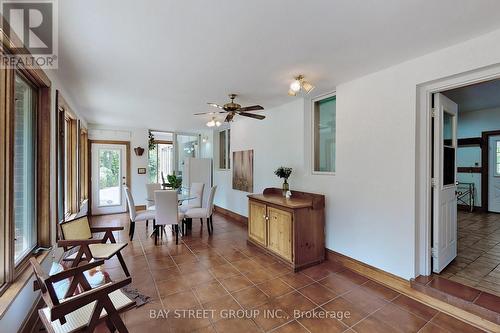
<point>109,170</point>
<point>444,231</point>
<point>494,174</point>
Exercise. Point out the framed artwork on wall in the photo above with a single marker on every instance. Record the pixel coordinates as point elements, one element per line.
<point>243,170</point>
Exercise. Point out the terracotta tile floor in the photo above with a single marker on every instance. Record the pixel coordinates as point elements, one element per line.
<point>222,273</point>
<point>478,261</point>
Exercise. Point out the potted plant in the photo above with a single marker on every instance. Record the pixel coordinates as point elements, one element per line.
<point>174,182</point>
<point>151,141</point>
<point>284,173</point>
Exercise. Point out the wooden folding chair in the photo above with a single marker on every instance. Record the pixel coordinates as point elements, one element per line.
<point>78,233</point>
<point>83,312</point>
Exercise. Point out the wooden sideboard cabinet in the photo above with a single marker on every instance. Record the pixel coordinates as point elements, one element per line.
<point>292,230</point>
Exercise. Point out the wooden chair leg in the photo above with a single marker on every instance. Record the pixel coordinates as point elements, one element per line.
<point>201,220</point>
<point>124,265</point>
<point>211,223</point>
<point>132,229</point>
<point>176,234</point>
<point>147,224</point>
<point>113,315</point>
<point>109,325</point>
<point>156,234</point>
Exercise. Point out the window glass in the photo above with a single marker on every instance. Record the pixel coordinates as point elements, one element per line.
<point>498,159</point>
<point>109,177</point>
<point>222,150</point>
<point>24,169</point>
<point>324,115</point>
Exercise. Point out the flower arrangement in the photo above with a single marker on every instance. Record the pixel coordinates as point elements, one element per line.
<point>283,172</point>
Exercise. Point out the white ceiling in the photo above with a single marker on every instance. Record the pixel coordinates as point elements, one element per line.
<point>476,97</point>
<point>155,63</point>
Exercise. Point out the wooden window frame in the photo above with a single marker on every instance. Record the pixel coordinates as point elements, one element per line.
<point>39,80</point>
<point>84,165</point>
<point>72,161</point>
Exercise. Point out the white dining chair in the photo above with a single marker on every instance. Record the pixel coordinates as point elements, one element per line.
<point>150,190</point>
<point>195,191</point>
<point>203,212</point>
<point>167,213</point>
<point>150,200</point>
<point>135,216</point>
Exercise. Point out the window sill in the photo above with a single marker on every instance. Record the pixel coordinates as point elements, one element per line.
<point>12,290</point>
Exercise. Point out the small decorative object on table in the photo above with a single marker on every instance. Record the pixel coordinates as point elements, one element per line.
<point>284,172</point>
<point>288,194</point>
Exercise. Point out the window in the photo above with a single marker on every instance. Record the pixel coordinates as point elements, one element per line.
<point>497,162</point>
<point>324,146</point>
<point>70,165</point>
<point>25,238</point>
<point>224,149</point>
<point>72,161</point>
<point>161,160</point>
<point>25,183</point>
<point>84,165</point>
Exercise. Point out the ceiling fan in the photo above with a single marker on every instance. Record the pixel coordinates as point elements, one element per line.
<point>233,109</point>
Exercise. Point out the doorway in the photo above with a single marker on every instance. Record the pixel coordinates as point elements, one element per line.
<point>110,172</point>
<point>464,151</point>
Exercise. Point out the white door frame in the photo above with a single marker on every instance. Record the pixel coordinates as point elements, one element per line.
<point>128,180</point>
<point>423,188</point>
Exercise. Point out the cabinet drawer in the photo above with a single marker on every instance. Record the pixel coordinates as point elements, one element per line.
<point>280,232</point>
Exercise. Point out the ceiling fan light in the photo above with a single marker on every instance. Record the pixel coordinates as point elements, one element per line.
<point>291,93</point>
<point>295,86</point>
<point>307,86</point>
<point>211,123</point>
<point>218,123</point>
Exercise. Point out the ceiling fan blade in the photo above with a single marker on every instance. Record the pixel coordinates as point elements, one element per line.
<point>251,115</point>
<point>229,117</point>
<point>251,108</point>
<point>213,112</point>
<point>215,105</point>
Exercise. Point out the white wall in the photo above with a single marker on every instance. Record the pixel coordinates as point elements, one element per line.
<point>472,124</point>
<point>370,213</point>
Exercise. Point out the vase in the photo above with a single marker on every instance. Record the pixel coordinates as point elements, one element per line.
<point>286,187</point>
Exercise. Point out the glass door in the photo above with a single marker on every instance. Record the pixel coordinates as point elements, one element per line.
<point>186,145</point>
<point>109,172</point>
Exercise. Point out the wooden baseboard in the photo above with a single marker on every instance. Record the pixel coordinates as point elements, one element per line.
<point>231,214</point>
<point>404,287</point>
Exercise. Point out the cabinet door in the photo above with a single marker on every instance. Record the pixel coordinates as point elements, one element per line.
<point>257,222</point>
<point>280,238</point>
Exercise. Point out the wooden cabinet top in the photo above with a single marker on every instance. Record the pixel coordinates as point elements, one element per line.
<point>298,199</point>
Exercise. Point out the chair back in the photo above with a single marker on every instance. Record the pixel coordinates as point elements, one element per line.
<point>130,203</point>
<point>210,202</point>
<point>150,189</point>
<point>196,190</point>
<point>78,228</point>
<point>167,207</point>
<point>47,289</point>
